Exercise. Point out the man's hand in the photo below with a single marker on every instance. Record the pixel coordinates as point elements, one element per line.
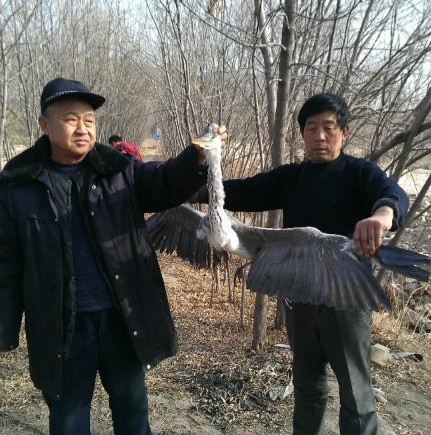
<point>369,232</point>
<point>222,135</point>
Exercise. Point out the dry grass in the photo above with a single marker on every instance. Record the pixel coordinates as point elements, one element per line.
<point>228,382</point>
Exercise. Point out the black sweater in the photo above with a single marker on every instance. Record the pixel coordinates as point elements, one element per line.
<point>92,292</point>
<point>331,196</point>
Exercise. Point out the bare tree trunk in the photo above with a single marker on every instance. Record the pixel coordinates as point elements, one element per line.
<point>259,321</point>
<point>189,110</point>
<point>278,132</point>
<point>280,316</point>
<point>282,112</point>
<point>257,115</point>
<point>421,113</point>
<point>242,308</point>
<point>4,99</point>
<point>268,57</point>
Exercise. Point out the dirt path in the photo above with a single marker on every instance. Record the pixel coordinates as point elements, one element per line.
<point>216,386</point>
<point>176,414</point>
<point>170,414</point>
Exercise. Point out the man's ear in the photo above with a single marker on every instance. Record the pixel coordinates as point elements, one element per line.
<point>346,131</point>
<point>43,123</point>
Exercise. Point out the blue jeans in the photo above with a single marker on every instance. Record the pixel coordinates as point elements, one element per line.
<point>101,344</point>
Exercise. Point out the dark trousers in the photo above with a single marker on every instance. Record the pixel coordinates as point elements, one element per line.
<point>100,344</point>
<point>343,338</point>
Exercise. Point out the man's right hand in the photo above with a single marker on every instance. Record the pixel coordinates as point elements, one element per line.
<point>369,232</point>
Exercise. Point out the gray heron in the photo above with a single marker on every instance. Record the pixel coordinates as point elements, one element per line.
<point>300,264</point>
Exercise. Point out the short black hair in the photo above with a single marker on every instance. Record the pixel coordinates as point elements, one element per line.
<point>322,102</point>
<point>114,138</point>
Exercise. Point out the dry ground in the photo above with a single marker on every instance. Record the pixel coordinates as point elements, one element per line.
<point>216,385</point>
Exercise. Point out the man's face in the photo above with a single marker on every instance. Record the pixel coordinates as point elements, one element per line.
<point>71,127</point>
<point>323,137</point>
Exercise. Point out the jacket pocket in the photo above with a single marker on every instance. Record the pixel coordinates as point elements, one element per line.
<point>41,231</point>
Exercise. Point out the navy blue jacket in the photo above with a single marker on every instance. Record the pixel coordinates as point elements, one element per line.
<point>36,276</point>
<point>331,196</point>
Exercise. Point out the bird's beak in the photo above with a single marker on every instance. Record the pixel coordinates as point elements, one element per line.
<point>204,142</point>
<point>209,139</point>
<point>199,143</point>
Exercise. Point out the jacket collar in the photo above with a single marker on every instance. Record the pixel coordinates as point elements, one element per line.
<point>29,164</point>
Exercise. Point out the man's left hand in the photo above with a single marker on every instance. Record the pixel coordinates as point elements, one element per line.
<point>222,132</point>
<point>369,232</point>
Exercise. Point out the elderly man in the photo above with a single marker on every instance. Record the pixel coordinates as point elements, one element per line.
<point>76,259</point>
<point>338,194</point>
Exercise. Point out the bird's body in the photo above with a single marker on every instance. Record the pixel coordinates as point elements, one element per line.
<point>301,264</point>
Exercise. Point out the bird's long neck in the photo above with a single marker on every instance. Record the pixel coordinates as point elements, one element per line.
<point>215,180</point>
<point>221,235</point>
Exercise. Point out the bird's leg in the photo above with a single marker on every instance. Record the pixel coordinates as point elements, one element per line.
<point>215,282</point>
<point>227,275</point>
<point>240,273</point>
<point>242,304</point>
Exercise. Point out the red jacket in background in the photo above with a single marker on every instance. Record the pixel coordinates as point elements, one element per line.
<point>129,148</point>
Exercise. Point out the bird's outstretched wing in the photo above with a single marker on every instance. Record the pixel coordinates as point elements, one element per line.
<point>300,264</point>
<point>174,230</point>
<point>317,273</point>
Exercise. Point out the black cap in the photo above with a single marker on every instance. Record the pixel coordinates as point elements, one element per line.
<point>60,87</point>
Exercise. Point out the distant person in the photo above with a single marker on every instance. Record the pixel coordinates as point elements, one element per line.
<point>128,148</point>
<point>76,259</point>
<point>114,139</point>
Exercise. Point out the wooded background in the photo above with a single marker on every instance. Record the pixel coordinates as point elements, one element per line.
<point>172,66</point>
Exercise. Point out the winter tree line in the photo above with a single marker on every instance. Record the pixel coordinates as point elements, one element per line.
<point>248,64</point>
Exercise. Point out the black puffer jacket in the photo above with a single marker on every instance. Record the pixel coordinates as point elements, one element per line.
<point>35,278</point>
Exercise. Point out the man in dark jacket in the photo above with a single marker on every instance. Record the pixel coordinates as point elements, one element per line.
<point>76,259</point>
<point>340,194</point>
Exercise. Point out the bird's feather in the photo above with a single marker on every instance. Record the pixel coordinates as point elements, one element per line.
<point>404,262</point>
<point>306,273</point>
<point>174,230</point>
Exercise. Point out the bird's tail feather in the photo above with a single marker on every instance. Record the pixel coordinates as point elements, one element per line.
<point>404,262</point>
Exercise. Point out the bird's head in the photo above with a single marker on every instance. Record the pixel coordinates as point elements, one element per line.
<point>209,139</point>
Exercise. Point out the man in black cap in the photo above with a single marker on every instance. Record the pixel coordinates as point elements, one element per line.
<point>76,259</point>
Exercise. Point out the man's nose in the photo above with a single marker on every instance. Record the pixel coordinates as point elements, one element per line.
<point>320,133</point>
<point>81,127</point>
